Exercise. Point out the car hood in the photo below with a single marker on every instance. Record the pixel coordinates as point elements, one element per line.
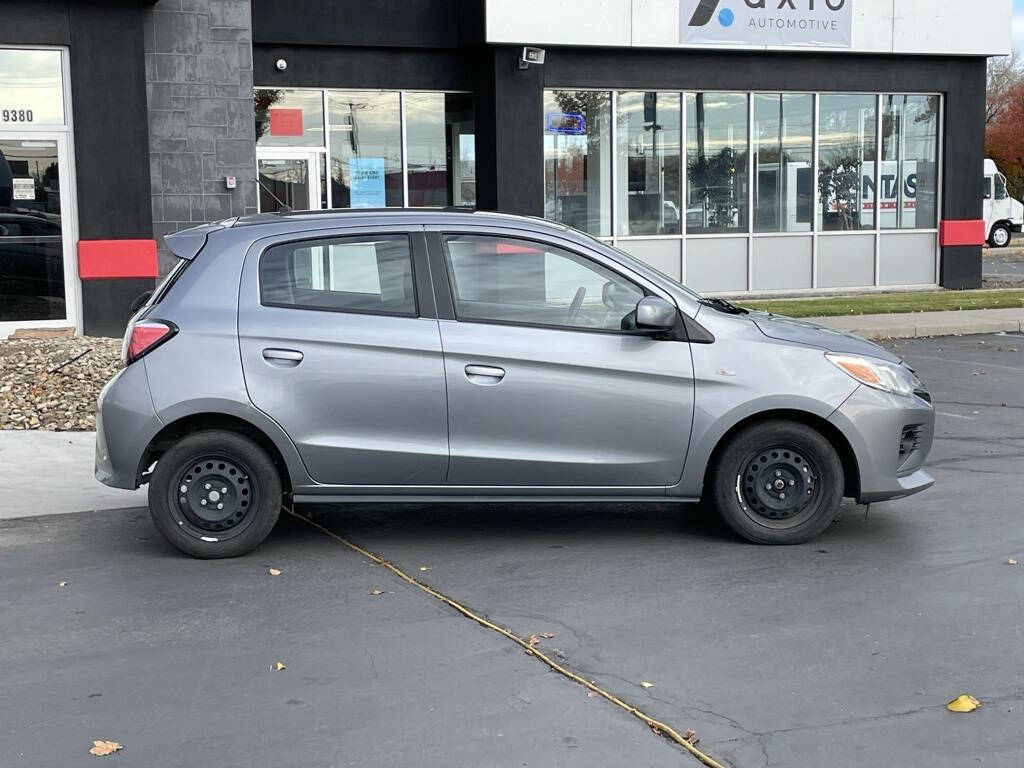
<point>802,332</point>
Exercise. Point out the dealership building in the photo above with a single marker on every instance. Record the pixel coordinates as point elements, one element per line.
<point>740,146</point>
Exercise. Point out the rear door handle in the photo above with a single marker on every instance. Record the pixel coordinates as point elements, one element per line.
<point>486,375</point>
<point>282,358</point>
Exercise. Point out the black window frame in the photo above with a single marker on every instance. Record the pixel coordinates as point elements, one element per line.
<point>414,249</point>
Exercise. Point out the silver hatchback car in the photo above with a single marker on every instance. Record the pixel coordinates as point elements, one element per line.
<point>427,355</point>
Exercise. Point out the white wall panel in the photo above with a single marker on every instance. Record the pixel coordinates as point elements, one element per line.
<point>978,27</point>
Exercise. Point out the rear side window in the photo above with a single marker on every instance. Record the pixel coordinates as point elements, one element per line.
<point>164,287</point>
<point>349,274</point>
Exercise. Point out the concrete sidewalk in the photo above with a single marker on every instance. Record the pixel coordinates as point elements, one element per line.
<point>46,473</point>
<point>910,325</point>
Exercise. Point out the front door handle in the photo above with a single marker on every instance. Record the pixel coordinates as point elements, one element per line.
<point>486,375</point>
<point>282,358</point>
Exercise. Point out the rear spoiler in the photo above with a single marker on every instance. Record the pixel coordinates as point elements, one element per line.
<point>187,243</point>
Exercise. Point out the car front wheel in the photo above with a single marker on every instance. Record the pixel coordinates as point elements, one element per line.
<point>778,482</point>
<point>215,494</point>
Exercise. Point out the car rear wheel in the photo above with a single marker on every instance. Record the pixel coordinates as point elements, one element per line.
<point>778,482</point>
<point>1000,236</point>
<point>215,494</point>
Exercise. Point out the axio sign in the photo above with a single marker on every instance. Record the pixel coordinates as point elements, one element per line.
<point>826,23</point>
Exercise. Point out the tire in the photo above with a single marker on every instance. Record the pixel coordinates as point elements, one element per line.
<point>221,468</point>
<point>798,463</point>
<point>1000,236</point>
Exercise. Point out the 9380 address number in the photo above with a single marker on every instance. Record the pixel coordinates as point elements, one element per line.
<point>16,116</point>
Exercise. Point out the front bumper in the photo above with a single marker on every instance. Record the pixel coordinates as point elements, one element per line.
<point>891,436</point>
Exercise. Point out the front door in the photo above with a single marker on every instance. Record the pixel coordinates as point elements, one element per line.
<point>37,280</point>
<point>545,388</point>
<point>336,350</point>
<point>290,178</point>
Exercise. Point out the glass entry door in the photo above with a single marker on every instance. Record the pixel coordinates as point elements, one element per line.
<point>292,179</point>
<point>37,278</point>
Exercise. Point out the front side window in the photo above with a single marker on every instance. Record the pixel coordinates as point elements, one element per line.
<point>909,171</point>
<point>846,161</point>
<point>508,280</point>
<point>716,162</point>
<point>578,160</point>
<point>350,274</point>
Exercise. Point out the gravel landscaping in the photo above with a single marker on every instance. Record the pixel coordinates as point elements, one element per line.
<point>53,384</point>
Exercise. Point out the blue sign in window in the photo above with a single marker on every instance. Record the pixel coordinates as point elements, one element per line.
<point>565,123</point>
<point>366,182</point>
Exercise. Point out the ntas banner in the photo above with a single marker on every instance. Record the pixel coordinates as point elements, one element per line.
<point>826,23</point>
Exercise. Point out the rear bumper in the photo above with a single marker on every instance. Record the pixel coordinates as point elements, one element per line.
<point>874,423</point>
<point>125,423</point>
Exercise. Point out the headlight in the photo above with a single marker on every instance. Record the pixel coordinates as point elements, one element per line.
<point>897,379</point>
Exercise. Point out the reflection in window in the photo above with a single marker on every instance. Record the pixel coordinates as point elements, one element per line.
<point>783,162</point>
<point>909,173</point>
<point>289,117</point>
<point>33,93</point>
<point>716,162</point>
<point>441,151</point>
<point>366,149</point>
<point>846,161</point>
<point>577,159</point>
<point>647,156</point>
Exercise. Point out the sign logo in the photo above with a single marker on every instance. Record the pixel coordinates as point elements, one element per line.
<point>816,23</point>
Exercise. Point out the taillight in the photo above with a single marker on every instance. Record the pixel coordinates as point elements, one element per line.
<point>143,337</point>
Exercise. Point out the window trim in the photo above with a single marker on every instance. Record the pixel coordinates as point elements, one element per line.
<point>410,240</point>
<point>678,333</point>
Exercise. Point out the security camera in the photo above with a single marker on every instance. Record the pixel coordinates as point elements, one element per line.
<point>281,65</point>
<point>530,56</point>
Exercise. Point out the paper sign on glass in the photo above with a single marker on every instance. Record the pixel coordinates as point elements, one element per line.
<point>366,182</point>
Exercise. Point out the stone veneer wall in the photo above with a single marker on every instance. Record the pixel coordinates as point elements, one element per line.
<point>201,126</point>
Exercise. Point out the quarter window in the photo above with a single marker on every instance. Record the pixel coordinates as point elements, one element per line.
<point>521,281</point>
<point>372,274</point>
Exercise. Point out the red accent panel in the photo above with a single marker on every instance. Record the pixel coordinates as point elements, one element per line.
<point>285,122</point>
<point>110,259</point>
<point>965,232</point>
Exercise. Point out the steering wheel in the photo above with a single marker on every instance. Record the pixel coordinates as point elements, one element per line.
<point>577,302</point>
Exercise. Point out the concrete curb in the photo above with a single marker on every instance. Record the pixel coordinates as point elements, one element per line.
<point>914,325</point>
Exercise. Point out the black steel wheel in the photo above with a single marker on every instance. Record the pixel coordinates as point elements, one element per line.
<point>215,494</point>
<point>777,482</point>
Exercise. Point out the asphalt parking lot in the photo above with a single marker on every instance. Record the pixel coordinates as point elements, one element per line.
<point>842,652</point>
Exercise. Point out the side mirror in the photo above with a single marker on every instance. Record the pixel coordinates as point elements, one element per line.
<point>654,313</point>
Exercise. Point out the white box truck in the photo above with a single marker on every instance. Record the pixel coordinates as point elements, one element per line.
<point>1003,214</point>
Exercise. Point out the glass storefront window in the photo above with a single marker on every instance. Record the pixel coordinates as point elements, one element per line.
<point>288,117</point>
<point>909,172</point>
<point>647,154</point>
<point>783,162</point>
<point>365,149</point>
<point>846,161</point>
<point>31,88</point>
<point>31,243</point>
<point>577,159</point>
<point>441,152</point>
<point>716,162</point>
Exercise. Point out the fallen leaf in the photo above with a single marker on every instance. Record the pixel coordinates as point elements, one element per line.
<point>547,635</point>
<point>377,592</point>
<point>278,666</point>
<point>275,572</point>
<point>533,640</point>
<point>62,583</point>
<point>963,703</point>
<point>102,748</point>
<point>690,736</point>
<point>645,684</point>
<point>1011,561</point>
<point>591,694</point>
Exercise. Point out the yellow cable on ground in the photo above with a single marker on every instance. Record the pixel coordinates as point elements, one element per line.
<point>656,725</point>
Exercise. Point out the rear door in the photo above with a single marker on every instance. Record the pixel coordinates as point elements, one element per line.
<point>342,350</point>
<point>545,388</point>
